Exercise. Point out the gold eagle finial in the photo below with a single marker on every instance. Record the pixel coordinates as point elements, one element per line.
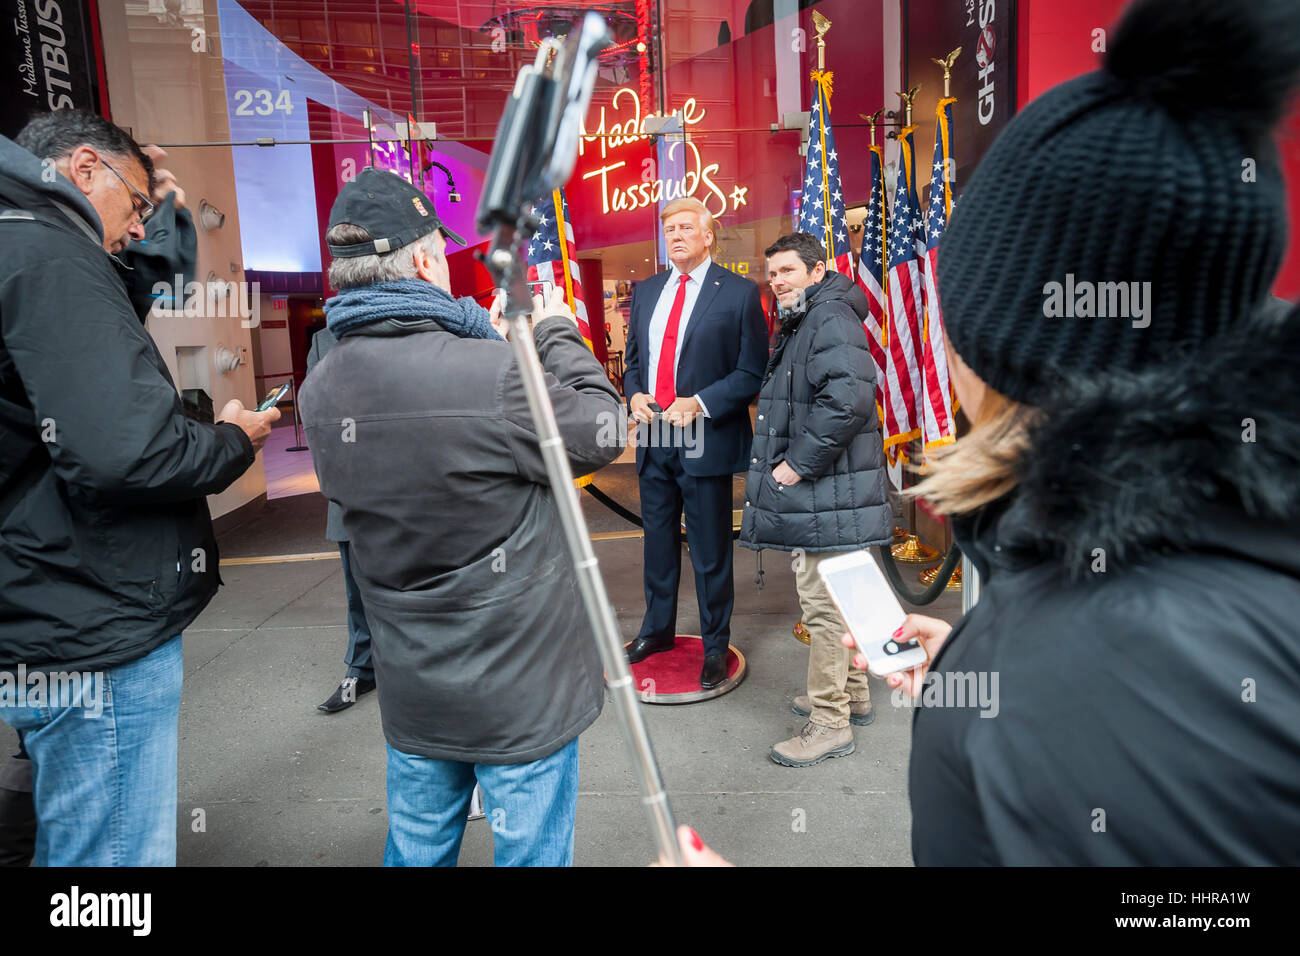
<point>947,63</point>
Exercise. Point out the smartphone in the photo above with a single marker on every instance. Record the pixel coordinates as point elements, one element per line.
<point>656,409</point>
<point>543,287</point>
<point>871,612</point>
<point>273,397</point>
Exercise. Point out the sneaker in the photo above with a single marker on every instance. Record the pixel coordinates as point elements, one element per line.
<point>812,745</point>
<point>860,712</point>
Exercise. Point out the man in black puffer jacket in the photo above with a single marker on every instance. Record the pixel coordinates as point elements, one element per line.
<point>817,475</point>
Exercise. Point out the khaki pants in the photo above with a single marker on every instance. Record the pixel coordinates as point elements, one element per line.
<point>832,680</point>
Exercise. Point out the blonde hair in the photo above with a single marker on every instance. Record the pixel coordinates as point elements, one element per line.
<point>980,466</point>
<point>691,204</point>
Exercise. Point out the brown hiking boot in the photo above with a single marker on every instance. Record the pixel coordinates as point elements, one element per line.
<point>860,712</point>
<point>812,745</point>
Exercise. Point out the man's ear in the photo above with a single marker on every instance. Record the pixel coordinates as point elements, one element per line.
<point>819,272</point>
<point>79,167</point>
<point>424,264</point>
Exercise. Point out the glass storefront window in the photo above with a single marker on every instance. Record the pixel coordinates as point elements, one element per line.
<point>222,76</point>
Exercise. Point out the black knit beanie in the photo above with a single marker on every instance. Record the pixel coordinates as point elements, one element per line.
<point>1131,212</point>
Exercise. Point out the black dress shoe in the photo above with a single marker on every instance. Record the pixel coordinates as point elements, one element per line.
<point>346,695</point>
<point>643,647</point>
<point>714,672</point>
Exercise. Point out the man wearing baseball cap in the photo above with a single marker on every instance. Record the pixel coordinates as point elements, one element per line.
<point>418,422</point>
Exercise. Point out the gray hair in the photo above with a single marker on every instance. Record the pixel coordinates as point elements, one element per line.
<point>348,273</point>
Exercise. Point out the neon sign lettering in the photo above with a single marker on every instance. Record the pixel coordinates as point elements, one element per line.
<point>611,134</point>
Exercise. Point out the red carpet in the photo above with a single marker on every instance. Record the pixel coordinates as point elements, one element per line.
<point>677,671</point>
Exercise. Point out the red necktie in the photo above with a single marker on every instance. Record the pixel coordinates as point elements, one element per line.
<point>665,379</point>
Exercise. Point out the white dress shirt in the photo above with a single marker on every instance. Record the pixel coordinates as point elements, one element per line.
<point>659,321</point>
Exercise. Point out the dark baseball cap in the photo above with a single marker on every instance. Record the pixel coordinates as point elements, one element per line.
<point>385,205</point>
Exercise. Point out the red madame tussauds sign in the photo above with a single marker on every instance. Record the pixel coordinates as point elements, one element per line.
<point>633,175</point>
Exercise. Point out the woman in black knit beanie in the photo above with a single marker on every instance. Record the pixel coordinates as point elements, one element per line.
<point>1130,487</point>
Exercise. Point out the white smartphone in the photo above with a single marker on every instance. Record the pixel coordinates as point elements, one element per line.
<point>871,612</point>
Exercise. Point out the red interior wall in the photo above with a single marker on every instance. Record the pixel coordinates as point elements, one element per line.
<point>1055,44</point>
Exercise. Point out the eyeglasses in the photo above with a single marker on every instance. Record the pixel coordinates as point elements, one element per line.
<point>141,214</point>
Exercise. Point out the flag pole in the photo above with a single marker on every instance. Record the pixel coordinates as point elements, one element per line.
<point>872,120</point>
<point>899,533</point>
<point>823,80</point>
<point>911,550</point>
<point>947,63</point>
<point>928,577</point>
<point>823,26</point>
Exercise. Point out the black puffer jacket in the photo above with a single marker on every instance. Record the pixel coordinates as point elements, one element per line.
<point>817,413</point>
<point>1140,594</point>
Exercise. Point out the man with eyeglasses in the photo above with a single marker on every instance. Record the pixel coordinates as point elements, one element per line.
<point>106,544</point>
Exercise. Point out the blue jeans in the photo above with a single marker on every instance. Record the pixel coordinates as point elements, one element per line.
<point>530,807</point>
<point>103,752</point>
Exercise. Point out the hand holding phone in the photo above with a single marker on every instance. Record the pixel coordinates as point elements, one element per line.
<point>930,631</point>
<point>871,612</point>
<point>256,425</point>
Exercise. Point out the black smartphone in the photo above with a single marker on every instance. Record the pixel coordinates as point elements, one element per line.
<point>273,397</point>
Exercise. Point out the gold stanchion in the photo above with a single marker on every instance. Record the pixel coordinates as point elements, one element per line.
<point>954,583</point>
<point>801,634</point>
<point>912,550</point>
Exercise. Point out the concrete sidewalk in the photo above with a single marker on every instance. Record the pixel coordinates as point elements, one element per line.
<point>274,782</point>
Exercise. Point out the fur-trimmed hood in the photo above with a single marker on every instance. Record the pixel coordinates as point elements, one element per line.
<point>1201,451</point>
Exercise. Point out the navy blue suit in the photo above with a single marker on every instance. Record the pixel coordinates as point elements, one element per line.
<point>723,356</point>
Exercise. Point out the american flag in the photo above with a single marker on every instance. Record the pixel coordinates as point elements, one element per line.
<point>937,403</point>
<point>552,256</point>
<point>871,277</point>
<point>821,204</point>
<point>905,302</point>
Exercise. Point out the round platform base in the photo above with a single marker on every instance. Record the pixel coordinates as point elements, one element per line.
<point>673,677</point>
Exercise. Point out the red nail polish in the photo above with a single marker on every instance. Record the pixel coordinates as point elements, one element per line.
<point>898,633</point>
<point>696,842</point>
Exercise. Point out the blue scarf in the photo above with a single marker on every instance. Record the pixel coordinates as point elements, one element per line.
<point>356,308</point>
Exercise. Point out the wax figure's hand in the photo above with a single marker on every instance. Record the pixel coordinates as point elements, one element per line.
<point>682,412</point>
<point>785,475</point>
<point>930,631</point>
<point>256,425</point>
<point>639,405</point>
<point>165,178</point>
<point>694,852</point>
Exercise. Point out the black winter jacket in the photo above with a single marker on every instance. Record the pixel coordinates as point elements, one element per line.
<point>817,413</point>
<point>483,652</point>
<point>106,545</point>
<point>1141,589</point>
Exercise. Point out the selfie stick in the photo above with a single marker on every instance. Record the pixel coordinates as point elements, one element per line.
<point>534,153</point>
